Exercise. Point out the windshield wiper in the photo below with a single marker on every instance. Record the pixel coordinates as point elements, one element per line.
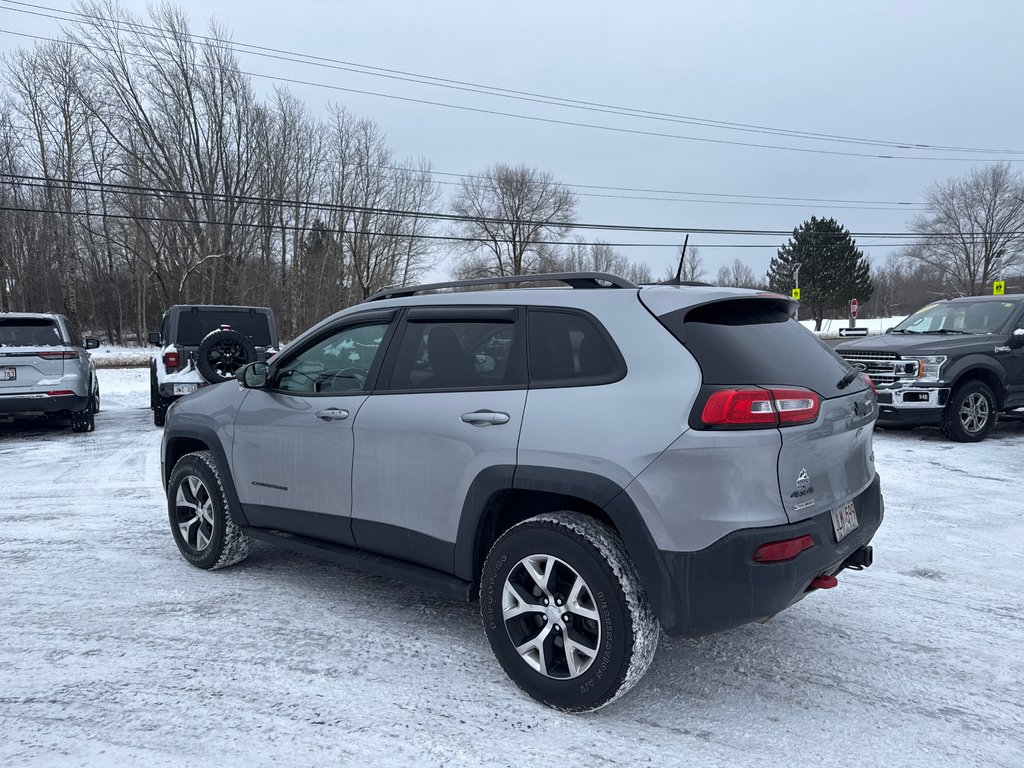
<point>951,330</point>
<point>844,382</point>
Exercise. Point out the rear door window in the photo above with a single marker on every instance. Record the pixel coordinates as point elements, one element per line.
<point>482,351</point>
<point>756,342</point>
<point>570,348</point>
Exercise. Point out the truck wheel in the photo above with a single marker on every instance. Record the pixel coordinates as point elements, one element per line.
<point>160,411</point>
<point>970,413</point>
<point>565,612</point>
<point>200,514</point>
<point>223,352</point>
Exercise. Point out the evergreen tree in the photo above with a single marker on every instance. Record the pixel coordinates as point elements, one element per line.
<point>833,269</point>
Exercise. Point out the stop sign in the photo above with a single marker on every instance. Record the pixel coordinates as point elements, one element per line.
<point>853,307</point>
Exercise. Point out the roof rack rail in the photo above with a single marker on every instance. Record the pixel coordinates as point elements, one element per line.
<point>572,279</point>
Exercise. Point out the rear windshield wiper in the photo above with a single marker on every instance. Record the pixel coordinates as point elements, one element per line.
<point>844,382</point>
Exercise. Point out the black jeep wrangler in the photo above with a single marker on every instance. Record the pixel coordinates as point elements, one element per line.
<point>205,344</point>
<point>956,363</point>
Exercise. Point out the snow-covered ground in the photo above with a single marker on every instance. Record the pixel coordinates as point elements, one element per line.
<point>113,651</point>
<point>111,356</point>
<point>875,325</point>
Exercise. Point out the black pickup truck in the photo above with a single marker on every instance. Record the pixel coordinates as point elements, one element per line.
<point>956,363</point>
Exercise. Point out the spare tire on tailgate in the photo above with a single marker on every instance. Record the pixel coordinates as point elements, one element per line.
<point>222,352</point>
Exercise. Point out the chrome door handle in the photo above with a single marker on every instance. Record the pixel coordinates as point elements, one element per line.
<point>484,418</point>
<point>332,414</point>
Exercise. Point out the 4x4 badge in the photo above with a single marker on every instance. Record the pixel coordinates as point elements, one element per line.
<point>803,479</point>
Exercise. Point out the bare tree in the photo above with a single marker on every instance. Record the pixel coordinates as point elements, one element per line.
<point>974,229</point>
<point>692,268</point>
<point>736,275</point>
<point>510,214</point>
<point>598,256</point>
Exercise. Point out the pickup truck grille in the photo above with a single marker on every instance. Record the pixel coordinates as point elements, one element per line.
<point>884,368</point>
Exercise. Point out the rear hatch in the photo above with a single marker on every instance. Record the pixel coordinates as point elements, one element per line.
<point>762,370</point>
<point>32,354</point>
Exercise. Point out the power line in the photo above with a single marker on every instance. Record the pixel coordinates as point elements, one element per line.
<point>536,118</point>
<point>465,86</point>
<point>140,190</point>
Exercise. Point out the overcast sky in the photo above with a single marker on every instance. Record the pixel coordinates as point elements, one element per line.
<point>937,73</point>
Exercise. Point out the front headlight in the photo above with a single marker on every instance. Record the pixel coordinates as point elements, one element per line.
<point>930,367</point>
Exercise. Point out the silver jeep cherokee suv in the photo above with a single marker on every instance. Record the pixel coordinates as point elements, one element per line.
<point>46,370</point>
<point>592,461</point>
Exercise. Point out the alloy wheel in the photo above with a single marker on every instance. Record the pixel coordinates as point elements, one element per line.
<point>974,412</point>
<point>194,513</point>
<point>551,617</point>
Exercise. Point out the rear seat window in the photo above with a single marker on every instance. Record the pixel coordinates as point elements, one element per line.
<point>571,349</point>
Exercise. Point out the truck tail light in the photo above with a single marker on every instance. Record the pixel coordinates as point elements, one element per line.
<point>171,360</point>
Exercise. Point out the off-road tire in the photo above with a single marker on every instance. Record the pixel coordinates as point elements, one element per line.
<point>227,544</point>
<point>160,410</point>
<point>221,353</point>
<point>628,629</point>
<point>956,422</point>
<point>84,421</point>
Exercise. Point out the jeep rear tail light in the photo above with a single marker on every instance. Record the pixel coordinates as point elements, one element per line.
<point>795,405</point>
<point>761,407</point>
<point>171,359</point>
<point>780,551</point>
<point>750,406</point>
<point>57,355</point>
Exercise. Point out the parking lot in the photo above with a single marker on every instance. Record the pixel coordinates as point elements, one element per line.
<point>113,649</point>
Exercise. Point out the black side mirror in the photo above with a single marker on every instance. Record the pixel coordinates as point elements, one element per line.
<point>154,338</point>
<point>253,375</point>
<point>1017,338</point>
<point>888,330</point>
<point>91,343</point>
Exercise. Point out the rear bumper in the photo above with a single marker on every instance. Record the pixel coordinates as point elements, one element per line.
<point>34,404</point>
<point>721,586</point>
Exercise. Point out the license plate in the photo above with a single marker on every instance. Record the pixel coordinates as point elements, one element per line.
<point>8,374</point>
<point>844,520</point>
<point>185,389</point>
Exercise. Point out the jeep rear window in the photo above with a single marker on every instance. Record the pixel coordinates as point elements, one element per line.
<point>756,342</point>
<point>29,332</point>
<point>192,328</point>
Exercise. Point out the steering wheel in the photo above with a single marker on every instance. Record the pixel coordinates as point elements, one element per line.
<point>345,373</point>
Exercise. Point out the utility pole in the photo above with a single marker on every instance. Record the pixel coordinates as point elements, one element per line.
<point>796,280</point>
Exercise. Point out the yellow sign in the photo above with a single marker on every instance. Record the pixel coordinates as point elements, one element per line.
<point>998,287</point>
<point>796,293</point>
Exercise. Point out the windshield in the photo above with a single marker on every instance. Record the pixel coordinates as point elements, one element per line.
<point>958,317</point>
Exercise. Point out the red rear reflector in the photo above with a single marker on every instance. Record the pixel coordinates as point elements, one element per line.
<point>59,392</point>
<point>779,551</point>
<point>171,359</point>
<point>740,407</point>
<point>57,356</point>
<point>796,405</point>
